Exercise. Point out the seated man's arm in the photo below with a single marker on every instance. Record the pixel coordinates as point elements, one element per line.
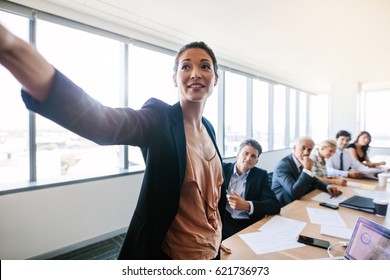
<point>263,198</point>
<point>295,188</point>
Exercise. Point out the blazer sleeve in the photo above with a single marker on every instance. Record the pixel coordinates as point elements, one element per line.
<point>69,106</point>
<point>259,192</point>
<point>294,184</point>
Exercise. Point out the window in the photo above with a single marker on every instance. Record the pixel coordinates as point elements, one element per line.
<point>303,114</point>
<point>374,114</point>
<point>150,75</point>
<point>318,120</point>
<point>279,110</point>
<point>211,109</point>
<point>235,112</point>
<point>92,62</point>
<point>14,152</point>
<point>293,132</point>
<point>260,113</point>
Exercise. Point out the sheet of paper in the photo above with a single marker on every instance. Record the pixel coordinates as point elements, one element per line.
<point>278,234</point>
<point>282,224</point>
<point>340,232</point>
<point>325,217</point>
<point>353,184</point>
<point>367,187</point>
<point>373,194</point>
<point>326,197</point>
<point>268,242</point>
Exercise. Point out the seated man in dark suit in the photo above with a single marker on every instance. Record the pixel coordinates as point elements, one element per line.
<point>249,196</point>
<point>292,177</point>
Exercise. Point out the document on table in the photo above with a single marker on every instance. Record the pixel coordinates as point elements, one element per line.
<point>277,234</point>
<point>353,184</point>
<point>373,194</point>
<point>326,197</point>
<point>325,217</point>
<point>335,231</point>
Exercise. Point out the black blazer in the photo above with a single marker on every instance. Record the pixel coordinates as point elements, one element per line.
<point>257,190</point>
<point>289,185</point>
<point>157,128</point>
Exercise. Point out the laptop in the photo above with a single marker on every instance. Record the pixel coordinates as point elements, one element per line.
<point>369,241</point>
<point>361,203</point>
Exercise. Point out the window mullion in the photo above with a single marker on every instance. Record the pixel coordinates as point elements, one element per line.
<point>32,117</point>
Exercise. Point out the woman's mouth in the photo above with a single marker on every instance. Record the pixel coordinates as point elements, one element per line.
<point>196,86</point>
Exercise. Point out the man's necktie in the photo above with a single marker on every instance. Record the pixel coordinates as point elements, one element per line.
<point>341,162</point>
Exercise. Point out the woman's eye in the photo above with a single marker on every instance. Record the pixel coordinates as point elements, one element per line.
<point>208,67</point>
<point>185,67</point>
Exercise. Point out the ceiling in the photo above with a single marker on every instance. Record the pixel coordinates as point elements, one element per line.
<point>308,44</point>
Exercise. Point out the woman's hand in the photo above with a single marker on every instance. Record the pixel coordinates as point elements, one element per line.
<point>26,64</point>
<point>6,39</point>
<point>226,250</point>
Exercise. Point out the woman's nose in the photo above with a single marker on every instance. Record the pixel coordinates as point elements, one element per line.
<point>195,74</point>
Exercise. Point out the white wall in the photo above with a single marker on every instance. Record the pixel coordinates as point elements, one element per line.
<point>47,221</point>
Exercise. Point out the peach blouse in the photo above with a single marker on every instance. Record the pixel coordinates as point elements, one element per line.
<point>195,232</point>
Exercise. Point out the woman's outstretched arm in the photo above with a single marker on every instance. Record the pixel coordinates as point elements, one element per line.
<point>26,64</point>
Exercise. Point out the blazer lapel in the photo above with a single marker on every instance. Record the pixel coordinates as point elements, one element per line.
<point>248,182</point>
<point>294,166</point>
<point>178,135</point>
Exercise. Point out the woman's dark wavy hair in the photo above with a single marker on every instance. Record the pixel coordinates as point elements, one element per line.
<point>196,45</point>
<point>365,147</point>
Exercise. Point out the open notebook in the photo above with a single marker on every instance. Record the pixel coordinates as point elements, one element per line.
<point>369,241</point>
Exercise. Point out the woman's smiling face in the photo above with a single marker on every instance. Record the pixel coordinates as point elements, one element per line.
<point>195,77</point>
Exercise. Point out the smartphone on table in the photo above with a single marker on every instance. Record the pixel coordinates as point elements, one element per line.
<point>313,241</point>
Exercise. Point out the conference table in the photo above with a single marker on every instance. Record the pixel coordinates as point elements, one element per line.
<point>297,210</point>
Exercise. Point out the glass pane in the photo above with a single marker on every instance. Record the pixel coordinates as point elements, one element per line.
<point>92,62</point>
<point>376,116</point>
<point>235,112</point>
<point>260,113</point>
<point>302,114</point>
<point>319,117</point>
<point>279,116</point>
<point>150,75</point>
<point>293,115</point>
<point>14,161</point>
<point>211,109</point>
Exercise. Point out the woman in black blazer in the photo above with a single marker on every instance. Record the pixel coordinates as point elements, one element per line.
<point>164,133</point>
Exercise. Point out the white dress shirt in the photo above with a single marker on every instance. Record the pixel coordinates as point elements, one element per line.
<point>238,184</point>
<point>349,162</point>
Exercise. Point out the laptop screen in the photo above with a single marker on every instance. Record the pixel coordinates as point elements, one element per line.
<point>369,241</point>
